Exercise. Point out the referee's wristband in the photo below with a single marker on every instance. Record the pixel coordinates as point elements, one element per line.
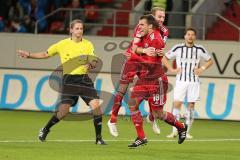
<point>203,67</point>
<point>29,55</point>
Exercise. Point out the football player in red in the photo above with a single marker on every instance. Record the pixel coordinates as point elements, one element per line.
<point>132,67</point>
<point>151,86</point>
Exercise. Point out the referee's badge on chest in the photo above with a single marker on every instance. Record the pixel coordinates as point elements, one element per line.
<point>83,57</point>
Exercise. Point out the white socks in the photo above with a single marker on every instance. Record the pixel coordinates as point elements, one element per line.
<point>176,113</point>
<point>189,118</point>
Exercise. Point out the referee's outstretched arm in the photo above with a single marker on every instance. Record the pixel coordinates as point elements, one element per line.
<point>26,54</point>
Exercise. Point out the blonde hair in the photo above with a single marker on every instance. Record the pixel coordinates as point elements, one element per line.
<point>75,21</point>
<point>155,9</point>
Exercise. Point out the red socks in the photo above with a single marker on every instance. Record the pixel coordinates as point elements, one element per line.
<point>116,106</point>
<point>170,119</point>
<point>138,123</point>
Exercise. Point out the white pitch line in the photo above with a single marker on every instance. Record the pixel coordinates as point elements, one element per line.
<point>111,140</point>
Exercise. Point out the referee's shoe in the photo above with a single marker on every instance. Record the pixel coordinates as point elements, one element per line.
<point>100,141</point>
<point>43,134</point>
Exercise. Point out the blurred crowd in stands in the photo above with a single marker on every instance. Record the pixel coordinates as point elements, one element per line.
<point>230,4</point>
<point>21,15</point>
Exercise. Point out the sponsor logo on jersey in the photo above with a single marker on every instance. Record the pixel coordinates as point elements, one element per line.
<point>145,45</point>
<point>152,36</point>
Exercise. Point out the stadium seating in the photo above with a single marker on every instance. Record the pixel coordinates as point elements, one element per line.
<point>122,18</point>
<point>223,31</point>
<point>92,13</point>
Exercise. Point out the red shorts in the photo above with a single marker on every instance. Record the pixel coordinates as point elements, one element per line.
<point>153,90</point>
<point>152,70</point>
<point>130,69</point>
<point>142,66</point>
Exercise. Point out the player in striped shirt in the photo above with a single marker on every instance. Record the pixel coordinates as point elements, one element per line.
<point>188,56</point>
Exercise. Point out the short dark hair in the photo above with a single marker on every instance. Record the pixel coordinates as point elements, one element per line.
<point>190,29</point>
<point>150,20</point>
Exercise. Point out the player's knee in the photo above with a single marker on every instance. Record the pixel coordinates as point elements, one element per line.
<point>122,89</point>
<point>95,103</point>
<point>118,98</point>
<point>177,104</point>
<point>132,103</point>
<point>62,112</point>
<point>120,94</point>
<point>161,116</point>
<point>133,108</point>
<point>95,106</point>
<point>158,114</point>
<point>191,105</point>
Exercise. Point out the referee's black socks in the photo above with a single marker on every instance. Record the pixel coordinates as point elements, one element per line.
<point>52,122</point>
<point>97,120</point>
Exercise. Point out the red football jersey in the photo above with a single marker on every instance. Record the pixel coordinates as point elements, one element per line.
<point>136,34</point>
<point>154,40</point>
<point>164,33</point>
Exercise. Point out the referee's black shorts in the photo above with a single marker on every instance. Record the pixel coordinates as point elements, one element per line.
<point>74,86</point>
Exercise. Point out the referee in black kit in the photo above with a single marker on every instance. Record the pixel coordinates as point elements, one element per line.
<point>77,57</point>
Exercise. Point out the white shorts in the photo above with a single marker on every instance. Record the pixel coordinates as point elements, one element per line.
<point>190,91</point>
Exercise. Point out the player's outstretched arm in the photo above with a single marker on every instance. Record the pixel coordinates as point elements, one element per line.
<point>26,54</point>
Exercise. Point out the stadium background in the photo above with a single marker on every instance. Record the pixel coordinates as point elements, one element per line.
<point>34,92</point>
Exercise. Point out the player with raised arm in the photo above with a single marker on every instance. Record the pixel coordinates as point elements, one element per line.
<point>77,58</point>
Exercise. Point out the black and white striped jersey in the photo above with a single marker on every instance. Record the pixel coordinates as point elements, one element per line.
<point>188,58</point>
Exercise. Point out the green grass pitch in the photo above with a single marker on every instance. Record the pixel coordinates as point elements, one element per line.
<point>74,140</point>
